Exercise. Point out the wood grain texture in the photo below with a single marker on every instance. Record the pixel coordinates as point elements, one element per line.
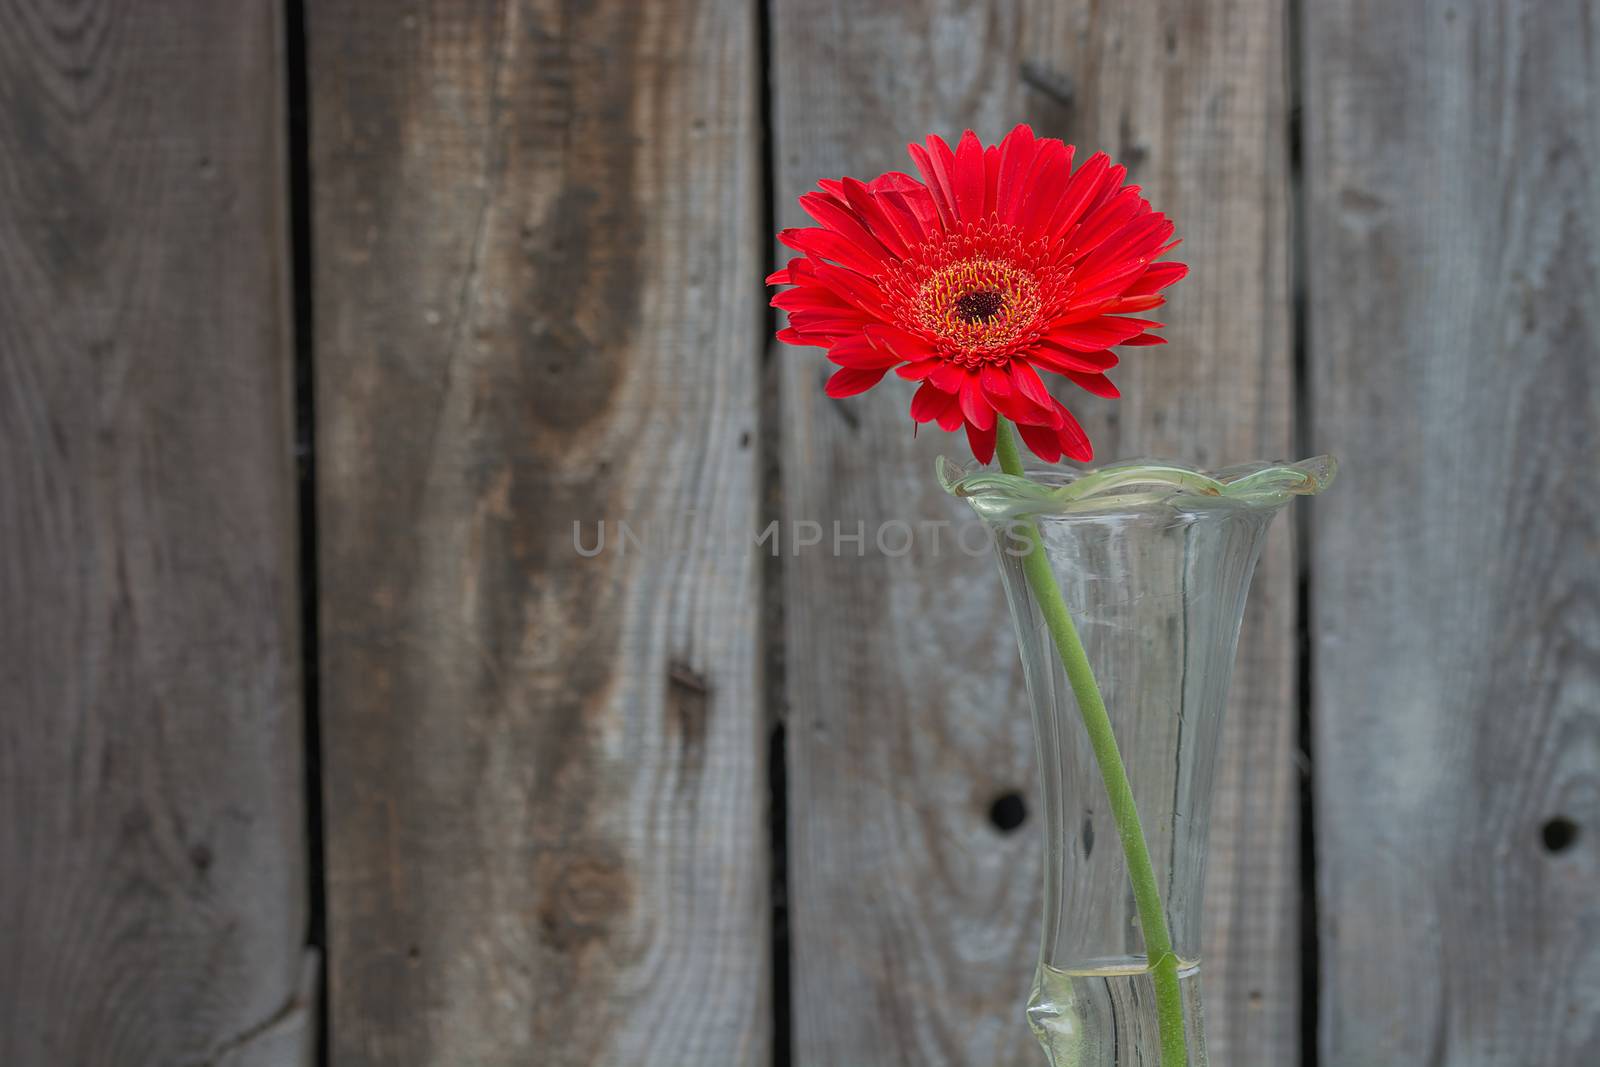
<point>289,1038</point>
<point>152,866</point>
<point>915,920</point>
<point>538,302</point>
<point>1453,166</point>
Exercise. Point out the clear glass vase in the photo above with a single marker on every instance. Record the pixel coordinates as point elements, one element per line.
<point>1153,562</point>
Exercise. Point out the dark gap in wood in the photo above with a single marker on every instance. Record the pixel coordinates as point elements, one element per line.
<point>1304,445</point>
<point>1559,833</point>
<point>299,148</point>
<point>778,828</point>
<point>1009,811</point>
<point>773,613</point>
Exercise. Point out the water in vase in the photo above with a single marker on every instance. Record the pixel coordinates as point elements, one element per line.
<point>1103,1014</point>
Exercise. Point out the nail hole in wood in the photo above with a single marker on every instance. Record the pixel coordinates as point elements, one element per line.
<point>1008,811</point>
<point>1559,834</point>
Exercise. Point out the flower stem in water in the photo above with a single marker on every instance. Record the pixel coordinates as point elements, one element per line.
<point>1146,892</point>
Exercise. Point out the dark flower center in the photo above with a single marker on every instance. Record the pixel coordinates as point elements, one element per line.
<point>980,305</point>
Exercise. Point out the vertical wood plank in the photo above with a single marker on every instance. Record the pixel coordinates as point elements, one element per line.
<point>152,854</point>
<point>1453,191</point>
<point>915,920</point>
<point>538,302</point>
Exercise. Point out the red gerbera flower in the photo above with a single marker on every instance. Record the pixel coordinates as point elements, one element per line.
<point>1001,263</point>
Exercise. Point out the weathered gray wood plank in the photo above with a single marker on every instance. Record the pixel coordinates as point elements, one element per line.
<point>289,1038</point>
<point>538,301</point>
<point>915,921</point>
<point>152,866</point>
<point>1453,190</point>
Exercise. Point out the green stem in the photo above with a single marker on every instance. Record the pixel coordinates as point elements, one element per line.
<point>1146,891</point>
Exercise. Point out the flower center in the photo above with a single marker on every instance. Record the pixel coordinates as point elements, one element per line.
<point>977,304</point>
<point>980,305</point>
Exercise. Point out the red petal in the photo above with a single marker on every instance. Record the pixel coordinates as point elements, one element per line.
<point>1079,193</point>
<point>850,381</point>
<point>976,409</point>
<point>969,178</point>
<point>1158,277</point>
<point>1041,441</point>
<point>1136,239</point>
<point>1062,360</point>
<point>1098,384</point>
<point>861,354</point>
<point>1099,333</point>
<point>982,442</point>
<point>1018,408</point>
<point>820,243</point>
<point>874,217</point>
<point>935,162</point>
<point>1074,442</point>
<point>794,272</point>
<point>830,209</point>
<point>991,178</point>
<point>1078,313</point>
<point>1133,244</point>
<point>948,376</point>
<point>791,336</point>
<point>851,286</point>
<point>903,344</point>
<point>1016,156</point>
<point>1107,283</point>
<point>950,418</point>
<point>929,402</point>
<point>910,205</point>
<point>825,337</point>
<point>826,322</point>
<point>1049,171</point>
<point>1110,186</point>
<point>1133,303</point>
<point>802,270</point>
<point>832,187</point>
<point>1146,339</point>
<point>845,221</point>
<point>809,298</point>
<point>1027,383</point>
<point>994,381</point>
<point>1107,220</point>
<point>916,372</point>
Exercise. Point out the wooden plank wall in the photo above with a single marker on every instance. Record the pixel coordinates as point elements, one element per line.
<point>913,917</point>
<point>1453,193</point>
<point>538,301</point>
<point>538,234</point>
<point>152,848</point>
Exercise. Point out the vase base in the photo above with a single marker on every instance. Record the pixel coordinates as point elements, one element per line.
<point>1102,1013</point>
